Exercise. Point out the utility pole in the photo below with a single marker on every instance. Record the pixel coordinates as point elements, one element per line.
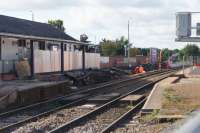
<point>128,31</point>
<point>32,15</point>
<point>125,50</point>
<point>128,47</point>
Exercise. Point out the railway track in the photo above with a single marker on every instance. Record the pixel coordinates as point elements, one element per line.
<point>57,116</point>
<point>84,90</point>
<point>98,119</point>
<point>129,114</point>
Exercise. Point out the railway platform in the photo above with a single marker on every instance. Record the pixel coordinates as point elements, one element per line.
<point>25,92</point>
<point>155,98</point>
<point>17,93</point>
<point>176,96</point>
<point>69,115</point>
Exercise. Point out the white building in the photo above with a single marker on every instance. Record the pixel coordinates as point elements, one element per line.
<point>47,48</point>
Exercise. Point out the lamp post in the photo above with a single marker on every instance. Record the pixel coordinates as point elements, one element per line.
<point>83,38</point>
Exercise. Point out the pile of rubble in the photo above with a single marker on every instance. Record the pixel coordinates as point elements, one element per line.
<point>94,76</point>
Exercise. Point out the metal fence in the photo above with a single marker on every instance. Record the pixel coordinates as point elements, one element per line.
<point>7,66</point>
<point>195,60</point>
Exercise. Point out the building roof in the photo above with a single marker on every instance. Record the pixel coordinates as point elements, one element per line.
<point>11,25</point>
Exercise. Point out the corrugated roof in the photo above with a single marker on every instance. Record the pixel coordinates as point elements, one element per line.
<point>30,28</point>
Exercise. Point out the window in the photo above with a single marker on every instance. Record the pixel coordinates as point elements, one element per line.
<point>41,45</point>
<point>21,43</point>
<point>55,48</point>
<point>65,47</point>
<point>70,47</point>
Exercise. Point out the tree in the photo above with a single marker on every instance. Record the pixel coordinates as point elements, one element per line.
<point>58,24</point>
<point>181,54</point>
<point>166,53</point>
<point>176,51</point>
<point>144,51</point>
<point>134,51</point>
<point>121,43</point>
<point>191,50</point>
<point>108,48</point>
<point>113,48</point>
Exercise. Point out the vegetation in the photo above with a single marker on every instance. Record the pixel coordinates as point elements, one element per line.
<point>57,24</point>
<point>176,100</point>
<point>113,48</point>
<point>149,117</point>
<point>117,48</point>
<point>191,50</point>
<point>171,96</point>
<point>166,53</point>
<point>134,51</point>
<point>144,51</point>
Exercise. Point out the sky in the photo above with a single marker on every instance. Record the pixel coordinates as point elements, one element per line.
<point>152,22</point>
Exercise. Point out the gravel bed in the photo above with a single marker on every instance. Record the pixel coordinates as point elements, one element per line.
<point>101,121</point>
<point>27,114</point>
<point>52,121</point>
<point>58,118</point>
<point>135,126</point>
<point>15,118</point>
<point>5,121</point>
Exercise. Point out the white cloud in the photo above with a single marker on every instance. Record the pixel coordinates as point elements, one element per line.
<point>131,3</point>
<point>152,21</point>
<point>35,4</point>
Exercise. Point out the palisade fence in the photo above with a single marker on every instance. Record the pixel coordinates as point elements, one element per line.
<point>50,61</point>
<point>196,60</point>
<point>188,61</point>
<point>47,61</point>
<point>7,66</point>
<point>117,61</point>
<point>92,60</point>
<point>191,60</point>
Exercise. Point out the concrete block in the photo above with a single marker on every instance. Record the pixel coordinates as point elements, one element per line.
<point>131,99</point>
<point>103,98</point>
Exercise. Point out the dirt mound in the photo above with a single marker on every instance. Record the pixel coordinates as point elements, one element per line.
<point>93,76</point>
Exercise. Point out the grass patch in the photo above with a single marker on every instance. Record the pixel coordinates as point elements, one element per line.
<point>171,96</point>
<point>178,101</point>
<point>149,117</point>
<point>129,106</point>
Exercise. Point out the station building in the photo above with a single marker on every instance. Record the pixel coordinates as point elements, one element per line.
<point>46,48</point>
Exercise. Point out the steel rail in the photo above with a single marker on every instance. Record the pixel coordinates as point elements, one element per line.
<point>14,125</point>
<point>75,93</point>
<point>65,127</point>
<point>124,117</point>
